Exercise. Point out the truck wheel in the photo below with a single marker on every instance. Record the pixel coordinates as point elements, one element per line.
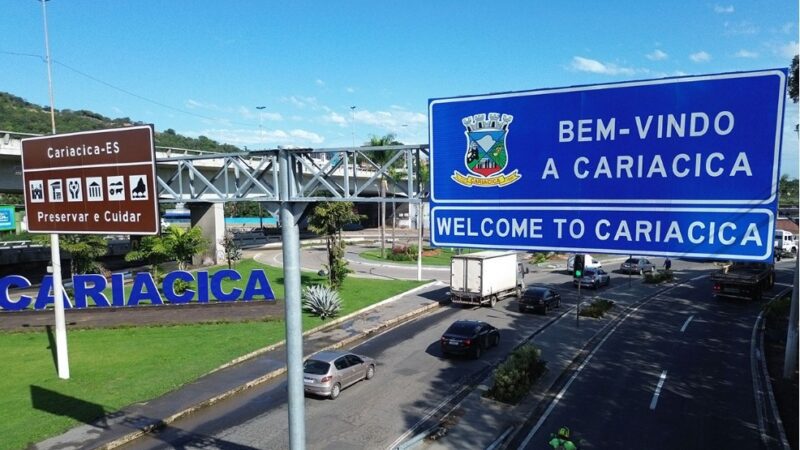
<point>492,301</point>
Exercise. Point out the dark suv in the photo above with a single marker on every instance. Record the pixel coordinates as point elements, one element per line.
<point>539,299</point>
<point>469,337</point>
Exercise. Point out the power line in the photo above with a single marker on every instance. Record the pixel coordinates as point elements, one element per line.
<point>125,91</point>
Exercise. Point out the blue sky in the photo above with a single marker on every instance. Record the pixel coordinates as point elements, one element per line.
<point>202,67</point>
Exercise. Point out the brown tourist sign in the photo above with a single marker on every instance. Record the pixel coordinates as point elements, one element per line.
<point>94,182</point>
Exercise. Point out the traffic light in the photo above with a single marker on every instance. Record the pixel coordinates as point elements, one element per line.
<point>577,266</point>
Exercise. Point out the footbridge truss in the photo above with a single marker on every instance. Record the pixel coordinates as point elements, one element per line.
<point>363,174</point>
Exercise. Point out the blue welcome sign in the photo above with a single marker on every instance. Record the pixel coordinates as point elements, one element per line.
<point>702,142</point>
<point>91,288</point>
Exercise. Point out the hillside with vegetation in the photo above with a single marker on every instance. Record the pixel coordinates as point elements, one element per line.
<point>21,116</point>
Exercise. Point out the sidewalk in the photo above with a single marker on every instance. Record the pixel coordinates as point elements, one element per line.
<point>263,365</point>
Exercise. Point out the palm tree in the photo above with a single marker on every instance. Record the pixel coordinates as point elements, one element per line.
<point>328,219</point>
<point>380,158</point>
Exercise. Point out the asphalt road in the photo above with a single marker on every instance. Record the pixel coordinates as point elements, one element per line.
<point>674,375</point>
<point>699,346</point>
<point>413,380</point>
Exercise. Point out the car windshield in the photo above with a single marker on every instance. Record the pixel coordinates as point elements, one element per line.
<point>631,261</point>
<point>314,367</point>
<point>461,328</point>
<point>589,273</point>
<point>535,293</point>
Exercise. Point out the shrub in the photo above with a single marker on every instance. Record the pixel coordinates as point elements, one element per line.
<point>597,308</point>
<point>658,277</point>
<point>778,309</point>
<point>403,253</point>
<point>181,286</point>
<point>321,301</point>
<point>514,377</point>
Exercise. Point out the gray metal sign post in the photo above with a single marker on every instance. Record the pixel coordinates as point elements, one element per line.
<point>290,232</point>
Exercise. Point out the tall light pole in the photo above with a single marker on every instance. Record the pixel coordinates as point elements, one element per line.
<point>353,124</point>
<point>62,359</point>
<point>261,133</point>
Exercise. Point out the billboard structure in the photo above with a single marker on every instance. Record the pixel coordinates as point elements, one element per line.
<point>675,167</point>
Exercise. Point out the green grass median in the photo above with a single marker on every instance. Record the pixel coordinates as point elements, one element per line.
<point>436,257</point>
<point>114,367</point>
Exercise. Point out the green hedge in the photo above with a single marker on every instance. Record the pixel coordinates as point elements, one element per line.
<point>597,308</point>
<point>514,378</point>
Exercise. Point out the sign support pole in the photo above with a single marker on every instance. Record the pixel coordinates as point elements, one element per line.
<point>419,247</point>
<point>55,252</point>
<point>61,324</point>
<point>290,233</point>
<point>790,356</point>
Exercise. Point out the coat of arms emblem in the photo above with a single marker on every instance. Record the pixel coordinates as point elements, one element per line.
<point>487,155</point>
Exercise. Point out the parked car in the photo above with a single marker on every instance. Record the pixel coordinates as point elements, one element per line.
<point>589,262</point>
<point>593,278</point>
<point>327,373</point>
<point>539,299</point>
<point>469,337</point>
<point>636,265</point>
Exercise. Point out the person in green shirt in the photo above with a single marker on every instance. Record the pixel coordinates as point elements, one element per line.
<point>561,440</point>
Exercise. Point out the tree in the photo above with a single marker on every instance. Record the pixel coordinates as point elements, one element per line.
<point>788,190</point>
<point>327,219</point>
<point>232,251</point>
<point>174,243</point>
<point>184,243</point>
<point>793,79</point>
<point>381,157</point>
<point>84,250</point>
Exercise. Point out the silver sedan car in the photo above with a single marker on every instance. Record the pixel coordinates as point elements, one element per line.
<point>327,373</point>
<point>593,278</point>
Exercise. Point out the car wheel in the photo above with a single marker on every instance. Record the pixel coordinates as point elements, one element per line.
<point>496,340</point>
<point>596,285</point>
<point>492,301</point>
<point>608,281</point>
<point>641,272</point>
<point>335,391</point>
<point>370,372</point>
<point>477,352</point>
<point>521,309</point>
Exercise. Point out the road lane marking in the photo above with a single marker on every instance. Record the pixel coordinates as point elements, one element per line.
<point>657,393</point>
<point>686,324</point>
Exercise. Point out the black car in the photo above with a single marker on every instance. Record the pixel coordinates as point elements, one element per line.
<point>539,299</point>
<point>469,337</point>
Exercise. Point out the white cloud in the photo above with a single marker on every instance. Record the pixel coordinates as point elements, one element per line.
<point>656,55</point>
<point>320,82</point>
<point>787,51</point>
<point>700,57</point>
<point>305,137</point>
<point>390,120</point>
<point>746,54</point>
<point>720,9</point>
<point>259,114</point>
<point>590,65</point>
<point>740,28</point>
<point>335,118</point>
<point>350,90</point>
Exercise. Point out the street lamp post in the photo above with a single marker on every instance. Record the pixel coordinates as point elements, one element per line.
<point>55,252</point>
<point>261,135</point>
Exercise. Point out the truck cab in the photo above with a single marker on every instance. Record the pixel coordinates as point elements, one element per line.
<point>785,241</point>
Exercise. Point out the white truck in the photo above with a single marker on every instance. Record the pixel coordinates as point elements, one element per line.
<point>483,278</point>
<point>785,242</point>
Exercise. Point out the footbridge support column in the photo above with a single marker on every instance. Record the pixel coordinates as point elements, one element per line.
<point>210,217</point>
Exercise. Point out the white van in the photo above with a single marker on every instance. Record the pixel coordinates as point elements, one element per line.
<point>589,262</point>
<point>785,241</point>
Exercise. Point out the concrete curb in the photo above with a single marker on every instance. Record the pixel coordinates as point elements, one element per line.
<point>278,372</point>
<point>322,327</point>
